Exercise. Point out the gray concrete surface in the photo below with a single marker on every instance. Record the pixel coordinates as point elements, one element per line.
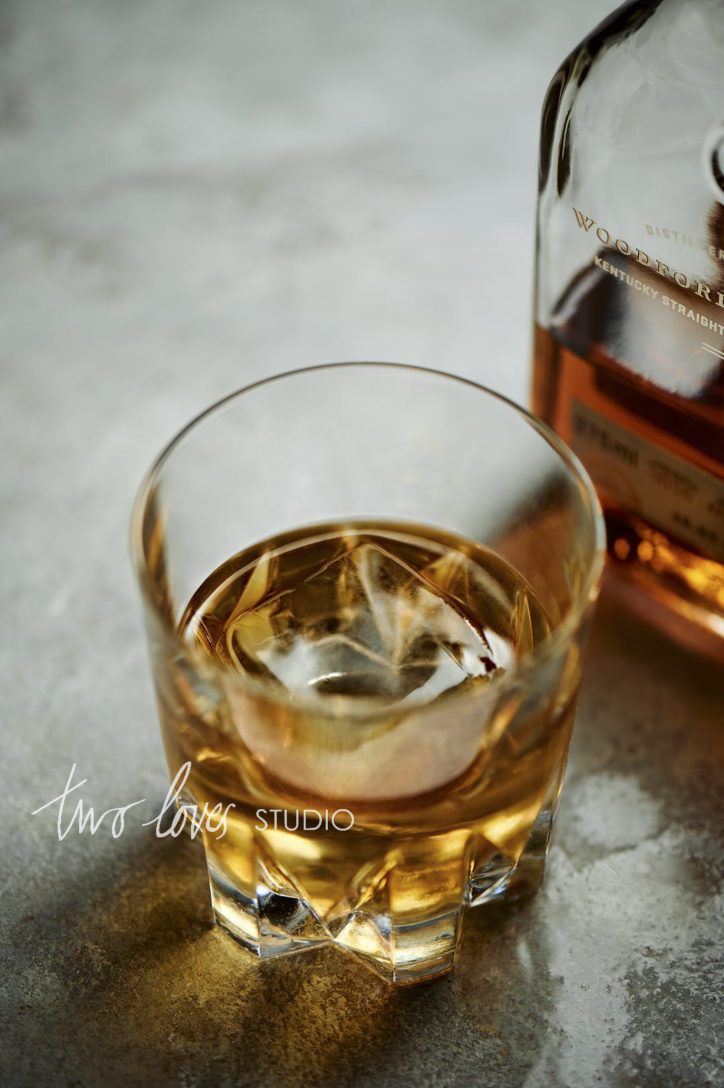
<point>193,196</point>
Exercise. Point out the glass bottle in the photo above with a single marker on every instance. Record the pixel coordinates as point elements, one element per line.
<point>629,292</point>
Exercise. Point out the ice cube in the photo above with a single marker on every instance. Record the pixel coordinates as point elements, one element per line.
<point>366,625</point>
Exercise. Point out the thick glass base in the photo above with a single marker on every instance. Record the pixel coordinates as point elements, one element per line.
<point>275,923</point>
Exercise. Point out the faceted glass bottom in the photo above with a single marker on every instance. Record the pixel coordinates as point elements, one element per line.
<point>276,923</point>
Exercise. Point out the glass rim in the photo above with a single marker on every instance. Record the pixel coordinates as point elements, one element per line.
<point>561,633</point>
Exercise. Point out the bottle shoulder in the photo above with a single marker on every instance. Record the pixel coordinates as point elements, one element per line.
<point>647,60</point>
<point>632,139</point>
<point>620,24</point>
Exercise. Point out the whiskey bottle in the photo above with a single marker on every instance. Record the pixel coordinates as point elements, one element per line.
<point>629,294</point>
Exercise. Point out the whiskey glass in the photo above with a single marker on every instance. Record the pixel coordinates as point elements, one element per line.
<point>366,588</point>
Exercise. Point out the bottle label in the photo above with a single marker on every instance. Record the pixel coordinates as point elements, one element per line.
<point>646,480</point>
<point>673,321</point>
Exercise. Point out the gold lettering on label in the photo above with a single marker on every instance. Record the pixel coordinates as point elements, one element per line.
<point>700,287</point>
<point>691,241</point>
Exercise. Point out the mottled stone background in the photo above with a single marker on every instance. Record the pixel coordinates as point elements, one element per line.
<point>195,195</point>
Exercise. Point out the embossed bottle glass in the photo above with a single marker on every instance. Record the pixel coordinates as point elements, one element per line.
<point>629,300</point>
<point>365,588</point>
